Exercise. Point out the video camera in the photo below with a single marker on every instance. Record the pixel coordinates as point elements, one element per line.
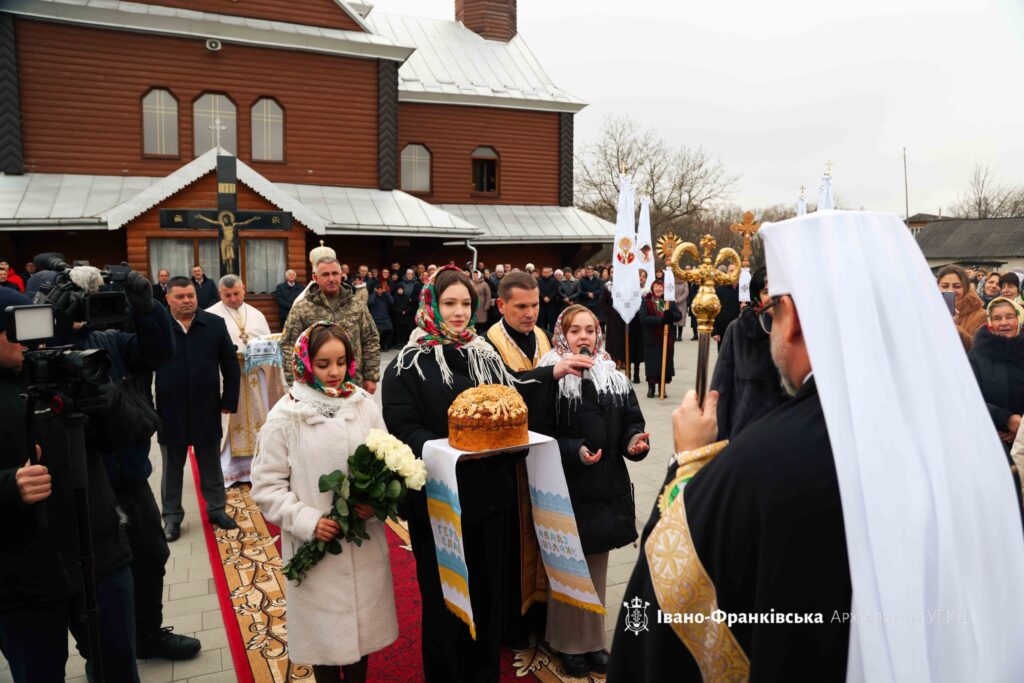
<point>75,302</point>
<point>48,370</point>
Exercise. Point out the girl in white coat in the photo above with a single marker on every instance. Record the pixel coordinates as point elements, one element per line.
<point>345,608</point>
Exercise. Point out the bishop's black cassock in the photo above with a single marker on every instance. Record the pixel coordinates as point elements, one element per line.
<point>766,522</point>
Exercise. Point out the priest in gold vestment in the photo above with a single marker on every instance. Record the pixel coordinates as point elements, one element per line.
<point>261,385</point>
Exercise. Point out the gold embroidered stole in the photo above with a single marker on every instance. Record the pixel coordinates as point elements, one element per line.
<point>513,356</point>
<point>245,423</point>
<point>533,577</point>
<point>683,586</point>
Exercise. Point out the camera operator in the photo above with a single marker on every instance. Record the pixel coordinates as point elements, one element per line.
<point>126,401</point>
<point>42,582</point>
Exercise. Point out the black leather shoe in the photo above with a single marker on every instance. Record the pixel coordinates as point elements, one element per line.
<point>164,644</point>
<point>172,531</point>
<point>221,519</point>
<point>597,662</point>
<point>650,391</point>
<point>574,665</point>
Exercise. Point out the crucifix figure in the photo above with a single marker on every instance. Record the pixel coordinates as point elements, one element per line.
<point>828,168</point>
<point>748,228</point>
<point>226,217</point>
<point>227,228</point>
<point>802,188</point>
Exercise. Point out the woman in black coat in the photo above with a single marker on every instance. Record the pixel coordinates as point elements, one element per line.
<point>655,315</point>
<point>745,376</point>
<point>598,424</point>
<point>997,358</point>
<point>417,390</point>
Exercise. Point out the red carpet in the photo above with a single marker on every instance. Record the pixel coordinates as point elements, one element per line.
<point>250,587</point>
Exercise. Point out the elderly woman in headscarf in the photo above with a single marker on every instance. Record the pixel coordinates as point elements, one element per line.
<point>598,424</point>
<point>745,377</point>
<point>997,358</point>
<point>443,358</point>
<point>970,311</point>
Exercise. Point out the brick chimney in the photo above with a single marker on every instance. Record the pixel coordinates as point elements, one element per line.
<point>492,19</point>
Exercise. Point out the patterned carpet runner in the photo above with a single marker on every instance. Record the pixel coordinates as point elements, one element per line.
<point>251,590</point>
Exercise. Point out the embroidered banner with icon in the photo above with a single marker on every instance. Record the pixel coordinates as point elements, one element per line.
<point>553,518</point>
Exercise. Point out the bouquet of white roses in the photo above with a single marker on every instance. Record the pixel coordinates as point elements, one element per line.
<point>380,472</point>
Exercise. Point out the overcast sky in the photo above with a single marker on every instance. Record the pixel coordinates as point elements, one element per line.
<point>776,89</point>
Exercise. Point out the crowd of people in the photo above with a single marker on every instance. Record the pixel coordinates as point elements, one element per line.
<point>277,411</point>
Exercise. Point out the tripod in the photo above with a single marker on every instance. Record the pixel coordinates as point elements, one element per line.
<point>73,422</point>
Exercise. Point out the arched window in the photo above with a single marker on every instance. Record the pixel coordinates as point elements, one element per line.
<point>267,130</point>
<point>416,168</point>
<point>159,123</point>
<point>485,170</point>
<point>207,111</point>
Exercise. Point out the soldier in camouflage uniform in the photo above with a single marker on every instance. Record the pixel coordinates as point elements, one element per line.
<point>331,299</point>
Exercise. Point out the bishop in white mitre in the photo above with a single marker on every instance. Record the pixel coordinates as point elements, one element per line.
<point>261,387</point>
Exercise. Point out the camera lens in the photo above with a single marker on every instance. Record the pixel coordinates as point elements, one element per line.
<point>90,366</point>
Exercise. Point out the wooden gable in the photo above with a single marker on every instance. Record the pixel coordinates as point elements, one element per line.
<point>142,231</point>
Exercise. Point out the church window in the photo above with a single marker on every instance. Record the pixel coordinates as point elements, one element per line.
<point>416,168</point>
<point>177,256</point>
<point>159,123</point>
<point>267,130</point>
<point>265,263</point>
<point>214,117</point>
<point>485,170</point>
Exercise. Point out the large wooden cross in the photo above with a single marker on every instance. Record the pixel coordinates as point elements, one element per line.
<point>748,228</point>
<point>226,217</point>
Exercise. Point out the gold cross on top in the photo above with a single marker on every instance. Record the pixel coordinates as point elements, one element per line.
<point>748,228</point>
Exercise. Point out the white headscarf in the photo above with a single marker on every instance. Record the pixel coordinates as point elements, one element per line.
<point>605,377</point>
<point>931,516</point>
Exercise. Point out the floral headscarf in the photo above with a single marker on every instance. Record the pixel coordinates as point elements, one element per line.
<point>303,366</point>
<point>428,318</point>
<point>605,377</point>
<point>432,335</point>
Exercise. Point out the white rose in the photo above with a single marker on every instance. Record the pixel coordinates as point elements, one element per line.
<point>407,467</point>
<point>393,459</point>
<point>391,443</point>
<point>374,439</point>
<point>417,481</point>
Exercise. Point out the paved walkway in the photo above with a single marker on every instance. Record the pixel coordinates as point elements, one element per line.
<point>190,600</point>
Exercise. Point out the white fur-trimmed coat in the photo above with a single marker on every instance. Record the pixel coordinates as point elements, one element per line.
<point>345,607</point>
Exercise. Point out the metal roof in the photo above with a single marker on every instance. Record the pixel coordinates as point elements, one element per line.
<point>362,211</point>
<point>135,16</point>
<point>43,201</point>
<point>508,224</point>
<point>454,65</point>
<point>973,238</point>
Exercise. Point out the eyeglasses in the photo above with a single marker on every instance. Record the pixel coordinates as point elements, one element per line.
<point>765,318</point>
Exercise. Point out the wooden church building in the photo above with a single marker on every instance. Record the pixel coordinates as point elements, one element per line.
<point>127,129</point>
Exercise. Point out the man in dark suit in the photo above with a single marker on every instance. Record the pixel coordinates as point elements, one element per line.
<point>160,288</point>
<point>286,293</point>
<point>190,403</point>
<point>206,289</point>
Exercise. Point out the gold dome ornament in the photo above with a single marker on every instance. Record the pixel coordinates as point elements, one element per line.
<point>317,253</point>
